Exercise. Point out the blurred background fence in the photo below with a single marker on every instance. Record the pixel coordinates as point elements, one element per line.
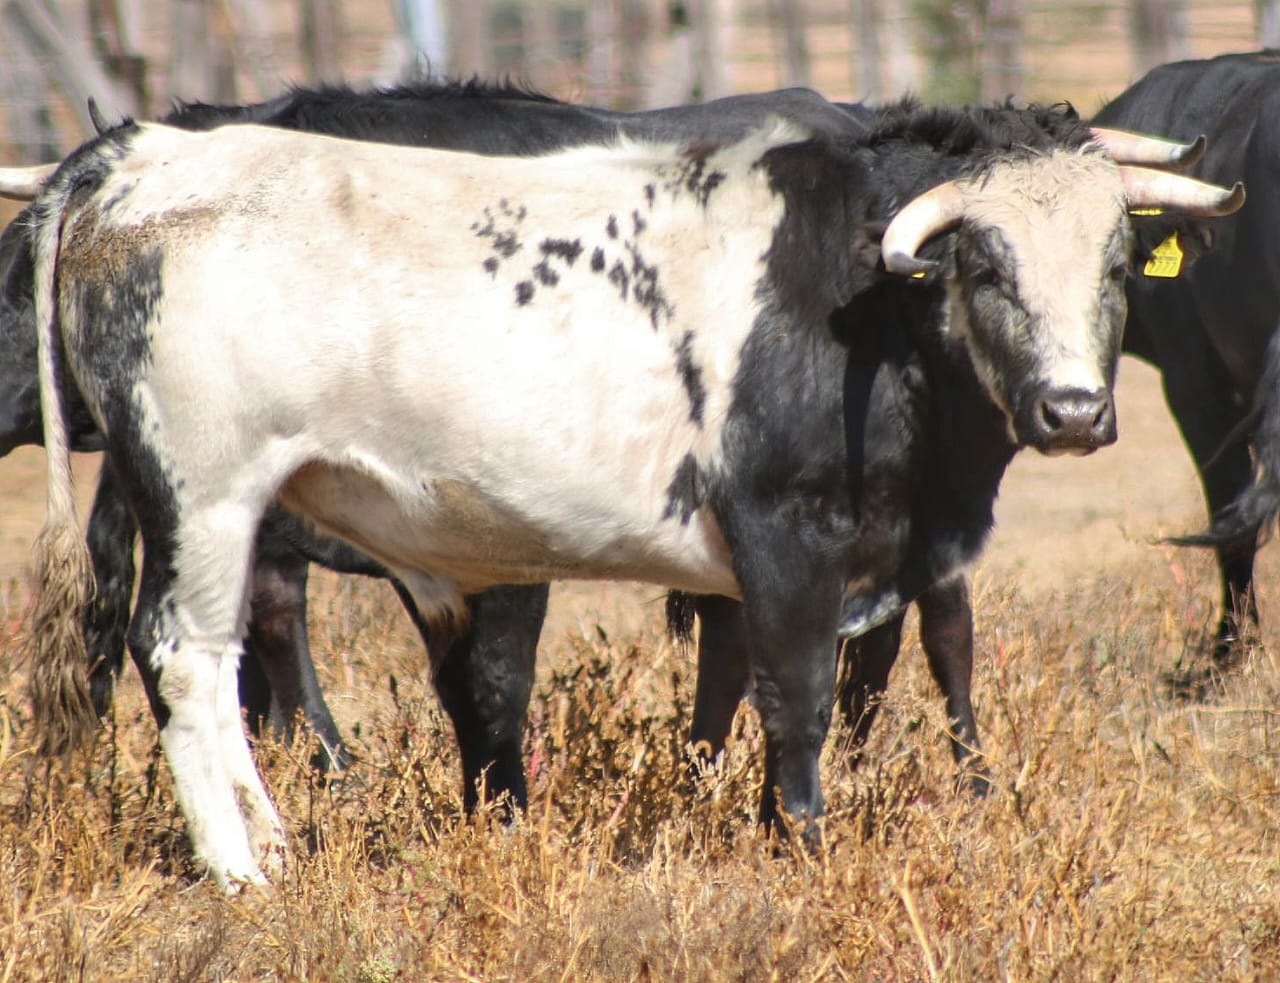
<point>137,56</point>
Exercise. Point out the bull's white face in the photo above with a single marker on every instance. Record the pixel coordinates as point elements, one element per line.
<point>1038,295</point>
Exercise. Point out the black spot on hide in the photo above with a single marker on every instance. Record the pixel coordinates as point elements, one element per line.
<point>611,227</point>
<point>545,275</point>
<point>684,494</point>
<point>524,292</point>
<point>646,290</point>
<point>691,377</point>
<point>566,249</point>
<point>619,278</point>
<point>501,228</point>
<point>597,260</point>
<point>505,244</point>
<point>491,266</point>
<point>693,176</point>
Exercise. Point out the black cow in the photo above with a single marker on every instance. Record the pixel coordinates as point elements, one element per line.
<point>1208,331</point>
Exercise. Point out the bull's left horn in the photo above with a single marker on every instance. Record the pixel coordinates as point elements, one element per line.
<point>1146,188</point>
<point>24,183</point>
<point>918,221</point>
<point>1134,148</point>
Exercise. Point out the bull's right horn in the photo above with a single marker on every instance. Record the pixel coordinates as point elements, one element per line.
<point>918,221</point>
<point>24,183</point>
<point>1147,188</point>
<point>1135,148</point>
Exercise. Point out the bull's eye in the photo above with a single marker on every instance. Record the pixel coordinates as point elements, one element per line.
<point>986,277</point>
<point>1118,272</point>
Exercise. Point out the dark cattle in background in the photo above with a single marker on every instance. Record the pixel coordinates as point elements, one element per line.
<point>483,673</point>
<point>725,437</point>
<point>1208,331</point>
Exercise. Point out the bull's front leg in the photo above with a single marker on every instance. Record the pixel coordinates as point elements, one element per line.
<point>792,605</point>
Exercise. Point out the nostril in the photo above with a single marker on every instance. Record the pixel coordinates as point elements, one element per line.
<point>1049,416</point>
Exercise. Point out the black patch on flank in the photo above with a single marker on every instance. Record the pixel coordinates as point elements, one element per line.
<point>566,249</point>
<point>545,275</point>
<point>491,266</point>
<point>114,316</point>
<point>611,227</point>
<point>691,376</point>
<point>597,260</point>
<point>684,494</point>
<point>524,292</point>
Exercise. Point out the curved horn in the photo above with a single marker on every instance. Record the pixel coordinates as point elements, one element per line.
<point>918,221</point>
<point>1147,188</point>
<point>1134,148</point>
<point>23,183</point>
<point>96,118</point>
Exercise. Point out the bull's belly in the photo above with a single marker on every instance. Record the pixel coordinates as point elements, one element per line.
<point>466,538</point>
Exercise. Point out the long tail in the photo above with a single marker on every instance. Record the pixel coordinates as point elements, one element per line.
<point>1252,516</point>
<point>58,685</point>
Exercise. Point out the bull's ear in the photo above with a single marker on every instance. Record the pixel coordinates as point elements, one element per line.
<point>866,244</point>
<point>1166,244</point>
<point>869,255</point>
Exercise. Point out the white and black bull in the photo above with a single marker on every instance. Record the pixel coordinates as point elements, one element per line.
<point>603,363</point>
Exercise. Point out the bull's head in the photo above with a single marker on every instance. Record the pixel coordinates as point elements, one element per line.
<point>1035,274</point>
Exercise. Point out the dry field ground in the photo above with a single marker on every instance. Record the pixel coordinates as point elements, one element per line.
<point>1132,834</point>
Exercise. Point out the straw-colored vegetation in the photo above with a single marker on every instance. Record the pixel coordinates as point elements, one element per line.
<point>1133,835</point>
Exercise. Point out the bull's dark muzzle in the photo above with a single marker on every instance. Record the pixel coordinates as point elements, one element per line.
<point>1070,421</point>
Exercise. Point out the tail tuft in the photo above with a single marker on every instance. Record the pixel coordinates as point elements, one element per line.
<point>680,612</point>
<point>58,685</point>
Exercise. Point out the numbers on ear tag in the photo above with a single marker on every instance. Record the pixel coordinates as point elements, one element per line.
<point>1166,259</point>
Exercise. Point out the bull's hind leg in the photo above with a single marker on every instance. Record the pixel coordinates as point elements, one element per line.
<point>484,676</point>
<point>187,627</point>
<point>112,531</point>
<point>722,675</point>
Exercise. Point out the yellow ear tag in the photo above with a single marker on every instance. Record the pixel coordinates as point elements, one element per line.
<point>1166,259</point>
<point>918,276</point>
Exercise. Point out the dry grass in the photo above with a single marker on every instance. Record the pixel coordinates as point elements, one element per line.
<point>1131,836</point>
